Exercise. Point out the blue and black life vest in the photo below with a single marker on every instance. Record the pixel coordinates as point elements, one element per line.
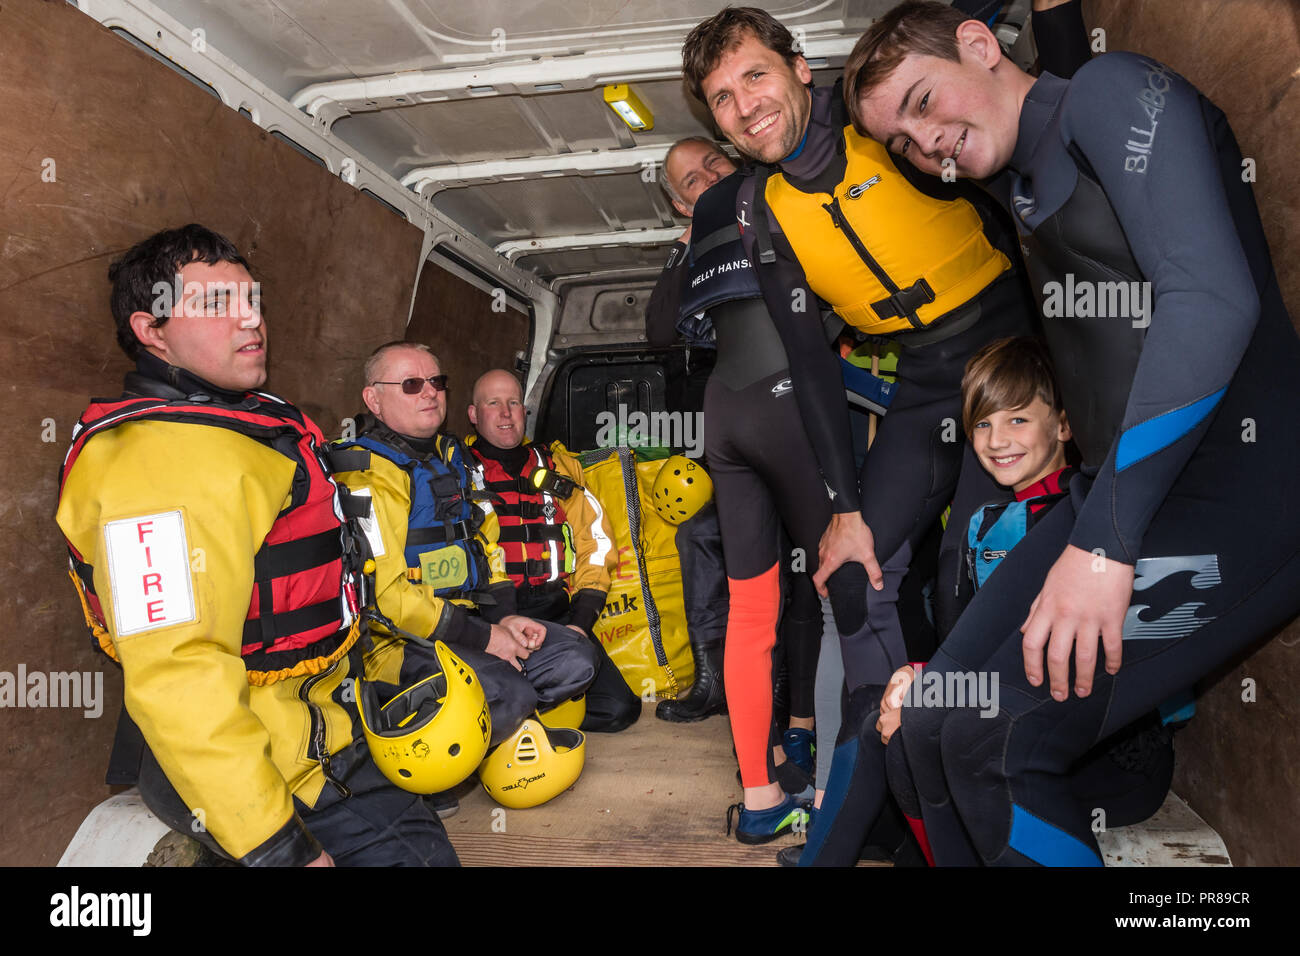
<point>998,527</point>
<point>442,546</point>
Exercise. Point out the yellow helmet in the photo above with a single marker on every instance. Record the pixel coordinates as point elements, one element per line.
<point>568,713</point>
<point>681,488</point>
<point>433,734</point>
<point>534,765</point>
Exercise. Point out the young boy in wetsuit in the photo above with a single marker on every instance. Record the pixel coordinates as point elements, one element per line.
<point>1014,420</point>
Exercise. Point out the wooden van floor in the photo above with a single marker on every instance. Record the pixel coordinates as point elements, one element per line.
<point>655,794</point>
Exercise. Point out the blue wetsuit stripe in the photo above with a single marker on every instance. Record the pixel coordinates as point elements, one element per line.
<point>1045,844</point>
<point>1162,431</point>
<point>798,149</point>
<point>837,788</point>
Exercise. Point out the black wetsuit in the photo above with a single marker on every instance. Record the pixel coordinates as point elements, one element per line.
<point>664,308</point>
<point>1185,414</point>
<point>919,463</point>
<point>748,445</point>
<point>763,469</point>
<point>916,467</point>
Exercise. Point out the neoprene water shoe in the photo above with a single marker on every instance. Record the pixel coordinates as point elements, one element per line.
<point>763,826</point>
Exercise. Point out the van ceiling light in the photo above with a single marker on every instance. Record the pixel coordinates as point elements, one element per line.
<point>629,107</point>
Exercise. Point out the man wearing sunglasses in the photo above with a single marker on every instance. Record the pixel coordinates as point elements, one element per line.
<point>439,571</point>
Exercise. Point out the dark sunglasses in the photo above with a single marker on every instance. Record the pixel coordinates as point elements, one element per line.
<point>414,386</point>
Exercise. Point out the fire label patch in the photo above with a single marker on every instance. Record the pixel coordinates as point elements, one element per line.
<point>149,570</point>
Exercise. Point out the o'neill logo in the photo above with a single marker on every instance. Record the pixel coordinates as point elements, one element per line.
<point>782,387</point>
<point>860,188</point>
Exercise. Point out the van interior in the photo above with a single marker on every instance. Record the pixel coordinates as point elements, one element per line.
<point>453,174</point>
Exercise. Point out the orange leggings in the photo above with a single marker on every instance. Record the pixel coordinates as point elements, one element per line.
<point>747,669</point>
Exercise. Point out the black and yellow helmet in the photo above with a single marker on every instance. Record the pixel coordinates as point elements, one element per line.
<point>431,735</point>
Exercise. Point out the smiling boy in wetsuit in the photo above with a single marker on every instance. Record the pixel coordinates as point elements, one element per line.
<point>1151,573</point>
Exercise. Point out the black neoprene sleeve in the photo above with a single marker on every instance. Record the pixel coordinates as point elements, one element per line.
<point>814,372</point>
<point>661,314</point>
<point>1205,305</point>
<point>1062,39</point>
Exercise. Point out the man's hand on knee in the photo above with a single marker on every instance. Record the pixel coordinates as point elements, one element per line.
<point>847,538</point>
<point>502,644</point>
<point>1084,598</point>
<point>525,630</point>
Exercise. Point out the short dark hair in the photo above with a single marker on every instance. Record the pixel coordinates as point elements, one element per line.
<point>1007,374</point>
<point>724,31</point>
<point>159,259</point>
<point>924,27</point>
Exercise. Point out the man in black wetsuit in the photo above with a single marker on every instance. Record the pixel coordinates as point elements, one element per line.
<point>763,470</point>
<point>742,65</point>
<point>1177,548</point>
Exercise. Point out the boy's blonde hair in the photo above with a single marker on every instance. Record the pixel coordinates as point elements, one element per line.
<point>1005,374</point>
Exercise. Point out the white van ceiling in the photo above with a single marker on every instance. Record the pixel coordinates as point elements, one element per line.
<point>456,83</point>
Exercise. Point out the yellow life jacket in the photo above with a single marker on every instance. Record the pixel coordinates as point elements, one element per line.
<point>887,257</point>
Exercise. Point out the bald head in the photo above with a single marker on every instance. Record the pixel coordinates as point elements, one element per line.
<point>497,412</point>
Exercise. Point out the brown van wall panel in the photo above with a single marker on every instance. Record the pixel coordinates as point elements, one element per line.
<point>139,148</point>
<point>1239,762</point>
<point>455,319</point>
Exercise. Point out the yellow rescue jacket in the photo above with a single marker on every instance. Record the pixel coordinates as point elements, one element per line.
<point>887,257</point>
<point>236,753</point>
<point>409,603</point>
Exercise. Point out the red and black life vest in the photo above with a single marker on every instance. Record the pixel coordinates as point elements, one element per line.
<point>533,531</point>
<point>303,614</point>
